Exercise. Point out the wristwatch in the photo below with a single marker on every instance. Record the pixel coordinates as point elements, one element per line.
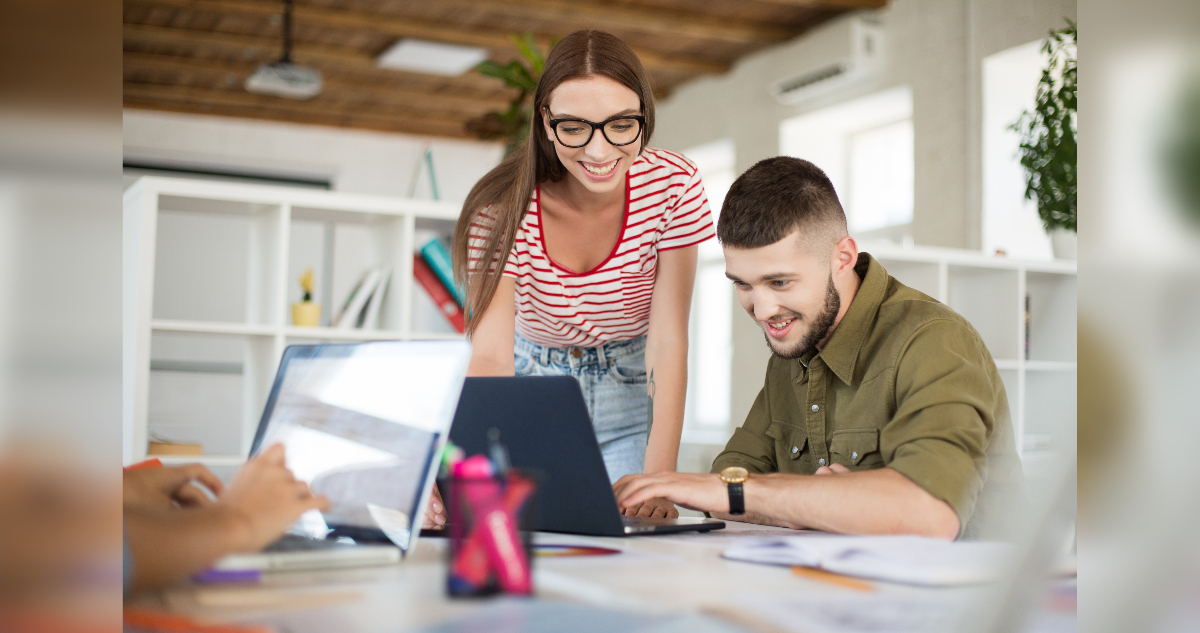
<point>733,477</point>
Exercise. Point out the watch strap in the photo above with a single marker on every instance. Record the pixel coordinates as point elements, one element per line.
<point>737,499</point>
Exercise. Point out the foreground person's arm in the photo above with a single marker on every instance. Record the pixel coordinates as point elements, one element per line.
<point>264,498</point>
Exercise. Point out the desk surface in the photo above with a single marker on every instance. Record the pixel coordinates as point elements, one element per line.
<point>680,573</point>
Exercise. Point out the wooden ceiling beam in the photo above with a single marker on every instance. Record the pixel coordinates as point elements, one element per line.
<point>398,26</point>
<point>413,126</point>
<point>251,48</point>
<point>659,21</point>
<point>336,87</point>
<point>832,4</point>
<point>320,103</point>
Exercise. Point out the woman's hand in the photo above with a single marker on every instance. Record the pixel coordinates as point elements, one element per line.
<point>435,514</point>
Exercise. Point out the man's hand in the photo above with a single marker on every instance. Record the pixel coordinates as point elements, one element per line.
<point>695,491</point>
<point>168,487</point>
<point>265,498</point>
<point>657,507</point>
<point>435,514</point>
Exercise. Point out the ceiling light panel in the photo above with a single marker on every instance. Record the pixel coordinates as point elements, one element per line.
<point>434,58</point>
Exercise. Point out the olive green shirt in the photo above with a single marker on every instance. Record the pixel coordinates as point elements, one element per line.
<point>905,383</point>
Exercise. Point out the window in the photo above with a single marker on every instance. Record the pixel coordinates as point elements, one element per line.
<point>710,353</point>
<point>865,146</point>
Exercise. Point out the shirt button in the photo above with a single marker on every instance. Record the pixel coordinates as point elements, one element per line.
<point>854,455</point>
<point>821,461</point>
<point>815,408</point>
<point>795,449</point>
<point>577,352</point>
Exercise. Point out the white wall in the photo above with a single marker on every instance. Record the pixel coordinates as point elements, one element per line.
<point>934,46</point>
<point>1010,221</point>
<point>358,161</point>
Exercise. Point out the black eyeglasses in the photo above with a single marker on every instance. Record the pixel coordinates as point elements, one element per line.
<point>620,130</point>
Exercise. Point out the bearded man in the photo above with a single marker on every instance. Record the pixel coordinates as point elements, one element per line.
<point>882,411</point>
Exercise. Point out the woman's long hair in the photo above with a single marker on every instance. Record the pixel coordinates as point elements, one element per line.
<point>506,190</point>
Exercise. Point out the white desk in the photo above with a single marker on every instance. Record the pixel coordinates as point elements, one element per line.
<point>653,574</point>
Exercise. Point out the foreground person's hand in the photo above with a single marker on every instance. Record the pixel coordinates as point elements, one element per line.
<point>265,498</point>
<point>161,488</point>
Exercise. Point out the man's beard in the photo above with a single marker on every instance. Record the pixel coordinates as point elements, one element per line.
<point>822,325</point>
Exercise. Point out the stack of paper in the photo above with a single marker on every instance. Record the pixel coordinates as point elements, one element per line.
<point>912,560</point>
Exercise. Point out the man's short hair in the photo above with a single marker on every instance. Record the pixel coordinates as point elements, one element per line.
<point>776,197</point>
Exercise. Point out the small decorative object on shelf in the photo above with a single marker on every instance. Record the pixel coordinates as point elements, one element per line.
<point>306,313</point>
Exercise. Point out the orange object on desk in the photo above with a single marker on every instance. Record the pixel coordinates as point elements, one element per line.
<point>153,462</point>
<point>160,622</point>
<point>832,578</point>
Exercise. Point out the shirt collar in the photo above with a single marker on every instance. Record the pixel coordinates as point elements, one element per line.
<point>841,353</point>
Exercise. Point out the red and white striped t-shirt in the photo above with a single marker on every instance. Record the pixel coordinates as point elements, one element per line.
<point>665,208</point>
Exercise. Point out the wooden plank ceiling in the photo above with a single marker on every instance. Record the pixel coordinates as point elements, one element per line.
<point>194,55</point>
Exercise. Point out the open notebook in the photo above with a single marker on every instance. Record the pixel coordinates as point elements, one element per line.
<point>914,560</point>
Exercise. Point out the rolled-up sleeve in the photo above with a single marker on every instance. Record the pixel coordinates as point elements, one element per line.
<point>945,397</point>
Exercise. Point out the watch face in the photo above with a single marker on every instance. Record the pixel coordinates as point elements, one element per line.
<point>734,475</point>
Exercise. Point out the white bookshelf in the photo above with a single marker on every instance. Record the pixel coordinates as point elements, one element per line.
<point>990,292</point>
<point>253,288</point>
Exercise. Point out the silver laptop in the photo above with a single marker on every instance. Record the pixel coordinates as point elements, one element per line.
<point>363,424</point>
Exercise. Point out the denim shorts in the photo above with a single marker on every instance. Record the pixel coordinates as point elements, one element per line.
<point>613,380</point>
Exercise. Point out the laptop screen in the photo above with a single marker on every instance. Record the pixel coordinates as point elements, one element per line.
<point>362,424</point>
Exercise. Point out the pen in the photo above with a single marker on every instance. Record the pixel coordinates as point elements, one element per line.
<point>832,578</point>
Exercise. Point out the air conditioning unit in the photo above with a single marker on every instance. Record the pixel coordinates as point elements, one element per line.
<point>854,52</point>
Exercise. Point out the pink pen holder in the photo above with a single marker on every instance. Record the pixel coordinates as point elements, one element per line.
<point>489,523</point>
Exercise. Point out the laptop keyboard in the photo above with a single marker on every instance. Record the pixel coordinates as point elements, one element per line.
<point>297,543</point>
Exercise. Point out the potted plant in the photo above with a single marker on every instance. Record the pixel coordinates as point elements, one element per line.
<point>1048,150</point>
<point>512,125</point>
<point>306,313</point>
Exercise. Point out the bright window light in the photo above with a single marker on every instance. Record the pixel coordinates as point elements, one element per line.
<point>881,176</point>
<point>710,352</point>
<point>434,58</point>
<point>865,146</point>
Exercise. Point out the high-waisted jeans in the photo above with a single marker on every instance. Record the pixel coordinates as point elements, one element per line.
<point>613,380</point>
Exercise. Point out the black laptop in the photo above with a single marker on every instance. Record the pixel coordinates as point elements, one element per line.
<point>544,422</point>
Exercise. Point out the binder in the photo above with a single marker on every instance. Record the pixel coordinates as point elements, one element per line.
<point>440,295</point>
<point>438,257</point>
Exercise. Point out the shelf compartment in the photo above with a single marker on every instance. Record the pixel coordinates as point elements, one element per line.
<point>308,336</point>
<point>207,460</point>
<point>212,327</point>
<point>1051,408</point>
<point>336,334</point>
<point>1052,316</point>
<point>1050,365</point>
<point>987,297</point>
<point>921,276</point>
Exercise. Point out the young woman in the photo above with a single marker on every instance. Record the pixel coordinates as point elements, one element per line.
<point>579,255</point>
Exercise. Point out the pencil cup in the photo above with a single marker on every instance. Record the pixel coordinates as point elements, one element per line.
<point>490,523</point>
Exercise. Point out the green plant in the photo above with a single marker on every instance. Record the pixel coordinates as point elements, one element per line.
<point>523,74</point>
<point>1048,149</point>
<point>1180,157</point>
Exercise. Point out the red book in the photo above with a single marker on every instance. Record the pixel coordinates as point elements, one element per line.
<point>442,297</point>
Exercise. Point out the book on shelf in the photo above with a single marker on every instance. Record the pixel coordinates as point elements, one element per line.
<point>438,257</point>
<point>352,310</point>
<point>438,292</point>
<point>370,318</point>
